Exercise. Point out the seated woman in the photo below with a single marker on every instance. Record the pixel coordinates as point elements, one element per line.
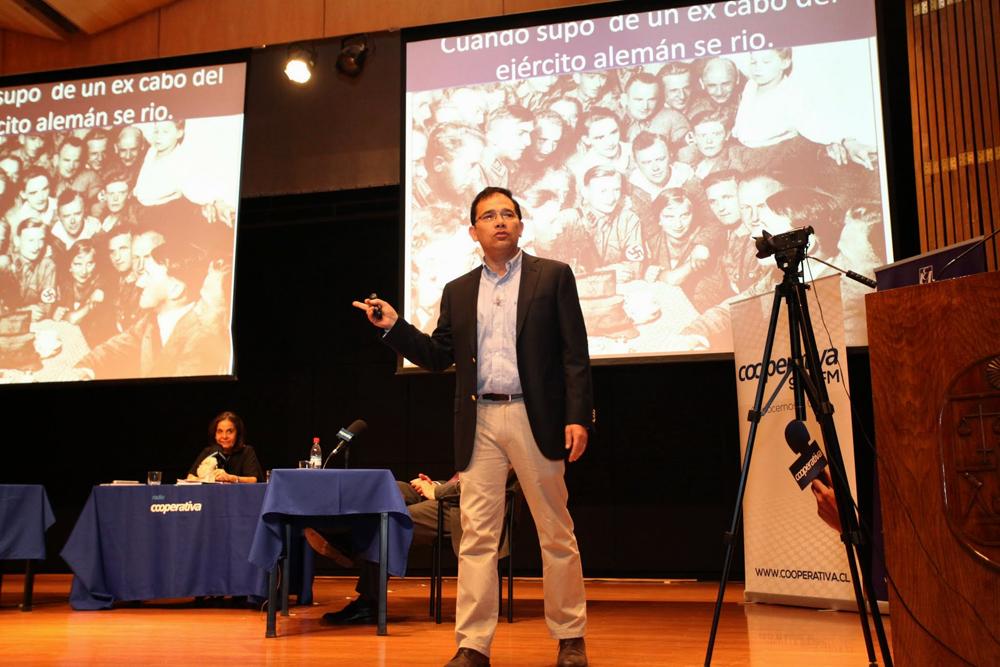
<point>235,462</point>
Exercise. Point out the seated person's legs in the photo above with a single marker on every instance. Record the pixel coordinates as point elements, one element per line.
<point>422,511</point>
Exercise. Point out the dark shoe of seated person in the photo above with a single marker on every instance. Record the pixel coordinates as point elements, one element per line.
<point>324,548</point>
<point>357,612</point>
<point>467,657</point>
<point>572,653</point>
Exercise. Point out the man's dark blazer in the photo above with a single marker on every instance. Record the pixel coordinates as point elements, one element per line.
<point>552,358</point>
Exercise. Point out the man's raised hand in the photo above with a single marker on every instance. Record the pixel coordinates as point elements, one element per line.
<point>389,314</point>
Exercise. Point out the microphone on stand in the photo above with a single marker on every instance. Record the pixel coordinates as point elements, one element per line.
<point>983,241</point>
<point>344,437</point>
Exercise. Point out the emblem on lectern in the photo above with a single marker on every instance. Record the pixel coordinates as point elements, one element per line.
<point>970,457</point>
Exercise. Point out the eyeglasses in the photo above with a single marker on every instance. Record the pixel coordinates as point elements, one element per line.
<point>491,216</point>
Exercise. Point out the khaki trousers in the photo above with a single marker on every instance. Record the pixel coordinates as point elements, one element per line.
<point>504,440</point>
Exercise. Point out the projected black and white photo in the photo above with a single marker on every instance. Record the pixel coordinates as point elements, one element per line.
<point>119,199</point>
<point>647,151</point>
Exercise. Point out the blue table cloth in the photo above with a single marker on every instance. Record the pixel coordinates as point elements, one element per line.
<point>315,497</point>
<point>25,515</point>
<point>152,542</point>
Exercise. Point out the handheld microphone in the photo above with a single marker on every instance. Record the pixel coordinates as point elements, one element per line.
<point>345,435</point>
<point>810,462</point>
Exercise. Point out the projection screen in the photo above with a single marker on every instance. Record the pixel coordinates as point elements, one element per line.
<point>119,203</point>
<point>646,151</point>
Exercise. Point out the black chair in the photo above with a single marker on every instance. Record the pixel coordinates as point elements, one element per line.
<point>511,500</point>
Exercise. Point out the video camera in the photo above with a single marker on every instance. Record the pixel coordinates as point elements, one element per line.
<point>768,244</point>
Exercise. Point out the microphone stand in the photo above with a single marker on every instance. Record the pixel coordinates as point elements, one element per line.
<point>806,370</point>
<point>982,242</point>
<point>333,452</point>
<point>342,444</point>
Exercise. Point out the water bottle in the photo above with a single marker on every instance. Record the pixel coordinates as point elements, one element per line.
<point>316,455</point>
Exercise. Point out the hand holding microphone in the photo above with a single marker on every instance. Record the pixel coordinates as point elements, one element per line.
<point>826,500</point>
<point>811,470</point>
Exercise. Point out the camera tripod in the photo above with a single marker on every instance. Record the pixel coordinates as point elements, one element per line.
<point>808,383</point>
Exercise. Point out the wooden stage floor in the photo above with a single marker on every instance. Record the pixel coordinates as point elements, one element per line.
<point>645,623</point>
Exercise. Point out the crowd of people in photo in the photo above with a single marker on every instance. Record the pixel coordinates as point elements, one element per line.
<point>114,230</point>
<point>660,173</point>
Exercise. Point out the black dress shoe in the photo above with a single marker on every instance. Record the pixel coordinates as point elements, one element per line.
<point>467,657</point>
<point>357,612</point>
<point>572,653</point>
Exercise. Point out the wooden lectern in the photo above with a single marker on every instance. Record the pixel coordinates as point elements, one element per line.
<point>935,361</point>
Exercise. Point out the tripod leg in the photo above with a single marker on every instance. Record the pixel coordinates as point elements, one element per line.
<point>856,543</point>
<point>794,353</point>
<point>754,418</point>
<point>814,383</point>
<point>865,552</point>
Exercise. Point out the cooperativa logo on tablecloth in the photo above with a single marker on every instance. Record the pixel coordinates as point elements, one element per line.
<point>163,508</point>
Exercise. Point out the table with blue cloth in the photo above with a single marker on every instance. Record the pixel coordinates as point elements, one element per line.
<point>154,542</point>
<point>25,515</point>
<point>368,501</point>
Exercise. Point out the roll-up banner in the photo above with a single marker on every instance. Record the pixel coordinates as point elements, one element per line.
<point>792,555</point>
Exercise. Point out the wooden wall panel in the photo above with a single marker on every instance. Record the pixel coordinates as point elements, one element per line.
<point>94,16</point>
<point>988,51</point>
<point>955,101</point>
<point>522,6</point>
<point>940,120</point>
<point>202,26</point>
<point>21,18</point>
<point>346,17</point>
<point>965,53</point>
<point>135,40</point>
<point>918,123</point>
<point>953,49</point>
<point>199,26</point>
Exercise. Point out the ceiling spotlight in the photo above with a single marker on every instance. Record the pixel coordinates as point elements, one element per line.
<point>353,52</point>
<point>300,62</point>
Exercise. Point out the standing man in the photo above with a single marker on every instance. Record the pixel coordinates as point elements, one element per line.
<point>514,330</point>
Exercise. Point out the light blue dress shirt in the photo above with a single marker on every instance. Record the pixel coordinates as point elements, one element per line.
<point>496,330</point>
